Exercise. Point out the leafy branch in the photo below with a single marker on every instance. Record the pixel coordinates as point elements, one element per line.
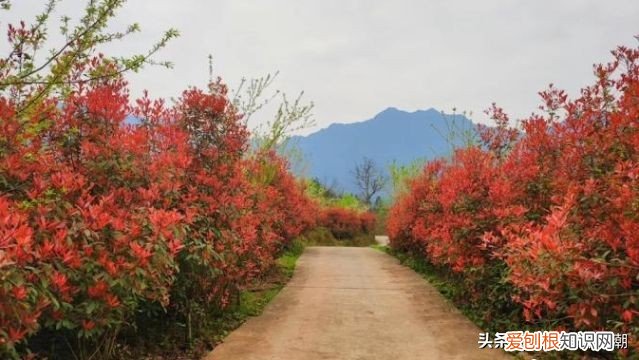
<point>67,64</point>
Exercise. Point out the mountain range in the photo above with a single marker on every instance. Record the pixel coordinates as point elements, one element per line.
<point>331,154</point>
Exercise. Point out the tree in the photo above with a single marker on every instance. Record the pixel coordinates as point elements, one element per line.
<point>253,95</point>
<point>369,179</point>
<point>28,77</point>
<point>400,175</point>
<point>458,134</point>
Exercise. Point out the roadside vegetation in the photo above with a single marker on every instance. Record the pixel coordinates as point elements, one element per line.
<point>155,236</point>
<point>162,339</point>
<point>120,237</point>
<point>535,227</point>
<point>344,219</point>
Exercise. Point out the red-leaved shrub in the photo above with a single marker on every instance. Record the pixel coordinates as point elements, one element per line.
<point>99,218</point>
<point>346,223</point>
<point>552,212</point>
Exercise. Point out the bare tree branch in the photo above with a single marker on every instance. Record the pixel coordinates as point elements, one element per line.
<point>369,179</point>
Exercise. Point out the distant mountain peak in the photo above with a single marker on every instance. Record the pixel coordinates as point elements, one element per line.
<point>393,135</point>
<point>392,111</point>
<point>389,110</point>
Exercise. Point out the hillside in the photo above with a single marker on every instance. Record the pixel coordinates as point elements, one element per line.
<point>331,154</point>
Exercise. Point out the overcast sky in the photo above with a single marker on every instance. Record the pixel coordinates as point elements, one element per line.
<point>356,58</point>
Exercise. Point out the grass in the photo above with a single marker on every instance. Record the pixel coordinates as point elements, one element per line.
<point>288,260</point>
<point>382,248</point>
<point>253,303</point>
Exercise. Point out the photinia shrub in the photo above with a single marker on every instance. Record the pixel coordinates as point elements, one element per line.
<point>100,218</point>
<point>86,231</point>
<point>551,211</point>
<point>346,223</point>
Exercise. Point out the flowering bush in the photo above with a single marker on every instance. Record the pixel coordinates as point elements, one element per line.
<point>102,220</point>
<point>85,236</point>
<point>551,211</point>
<point>346,223</point>
<point>576,256</point>
<point>98,217</point>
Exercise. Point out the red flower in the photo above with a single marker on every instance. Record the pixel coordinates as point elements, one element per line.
<point>98,290</point>
<point>88,325</point>
<point>112,301</point>
<point>20,292</point>
<point>60,282</point>
<point>141,253</point>
<point>175,246</point>
<point>16,335</point>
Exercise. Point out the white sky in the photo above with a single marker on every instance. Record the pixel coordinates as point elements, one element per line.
<point>355,58</point>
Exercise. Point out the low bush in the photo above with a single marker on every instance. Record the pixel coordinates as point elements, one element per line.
<point>321,236</point>
<point>101,220</point>
<point>346,223</point>
<point>542,224</point>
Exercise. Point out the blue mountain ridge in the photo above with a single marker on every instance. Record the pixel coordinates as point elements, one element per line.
<point>393,135</point>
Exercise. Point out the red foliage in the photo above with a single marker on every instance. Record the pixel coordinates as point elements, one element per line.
<point>346,223</point>
<point>98,217</point>
<point>556,206</point>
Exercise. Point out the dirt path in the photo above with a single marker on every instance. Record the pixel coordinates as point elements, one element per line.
<point>355,303</point>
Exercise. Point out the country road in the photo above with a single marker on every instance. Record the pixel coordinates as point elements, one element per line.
<point>355,303</point>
